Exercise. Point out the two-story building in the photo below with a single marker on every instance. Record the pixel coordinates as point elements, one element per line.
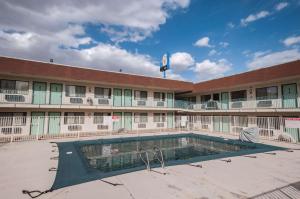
<point>39,98</point>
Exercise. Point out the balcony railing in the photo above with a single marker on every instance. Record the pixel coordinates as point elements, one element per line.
<point>285,102</point>
<point>21,128</point>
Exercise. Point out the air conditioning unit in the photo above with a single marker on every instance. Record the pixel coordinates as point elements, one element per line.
<point>159,125</point>
<point>160,104</point>
<point>103,101</point>
<point>264,103</point>
<point>237,105</point>
<point>102,127</point>
<point>204,126</point>
<point>15,98</point>
<point>89,101</point>
<point>76,100</point>
<point>141,125</point>
<point>74,127</point>
<point>141,103</point>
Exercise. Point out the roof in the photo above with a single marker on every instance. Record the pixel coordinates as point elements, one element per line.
<point>29,68</point>
<point>269,74</point>
<point>20,67</point>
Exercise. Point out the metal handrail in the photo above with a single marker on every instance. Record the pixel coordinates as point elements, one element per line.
<point>147,163</point>
<point>162,162</point>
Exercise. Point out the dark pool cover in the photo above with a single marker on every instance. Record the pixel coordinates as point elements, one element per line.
<point>74,169</point>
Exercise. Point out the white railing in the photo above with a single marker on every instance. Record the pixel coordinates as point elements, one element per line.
<point>290,102</point>
<point>24,128</point>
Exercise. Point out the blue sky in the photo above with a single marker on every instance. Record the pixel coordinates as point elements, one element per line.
<point>206,39</point>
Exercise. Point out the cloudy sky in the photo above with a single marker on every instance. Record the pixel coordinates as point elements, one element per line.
<point>205,38</point>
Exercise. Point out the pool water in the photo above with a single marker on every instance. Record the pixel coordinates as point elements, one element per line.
<point>114,156</point>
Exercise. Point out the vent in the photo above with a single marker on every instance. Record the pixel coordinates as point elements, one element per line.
<point>160,104</point>
<point>204,126</point>
<point>237,105</point>
<point>141,126</point>
<point>103,101</point>
<point>15,98</point>
<point>265,103</point>
<point>102,127</point>
<point>141,103</point>
<point>74,128</point>
<point>160,125</point>
<point>76,100</point>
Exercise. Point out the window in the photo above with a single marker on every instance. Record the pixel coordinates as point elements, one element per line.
<point>75,91</point>
<point>74,118</point>
<point>140,95</point>
<point>159,117</point>
<point>205,98</point>
<point>140,117</point>
<point>14,87</point>
<point>102,92</point>
<point>239,95</point>
<point>267,93</point>
<point>158,96</point>
<point>99,117</point>
<point>13,119</point>
<point>216,97</point>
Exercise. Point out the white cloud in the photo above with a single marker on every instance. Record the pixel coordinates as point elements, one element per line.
<point>181,61</point>
<point>135,19</point>
<point>231,25</point>
<point>56,29</point>
<point>224,44</point>
<point>212,52</point>
<point>101,56</point>
<point>291,40</point>
<point>281,6</point>
<point>254,17</point>
<point>269,59</point>
<point>207,69</point>
<point>203,42</point>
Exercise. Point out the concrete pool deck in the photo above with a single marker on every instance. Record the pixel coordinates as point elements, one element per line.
<point>25,165</point>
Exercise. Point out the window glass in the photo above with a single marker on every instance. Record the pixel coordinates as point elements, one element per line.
<point>102,92</point>
<point>75,91</point>
<point>239,95</point>
<point>141,117</point>
<point>14,87</point>
<point>267,93</point>
<point>74,118</point>
<point>158,96</point>
<point>205,98</point>
<point>140,95</point>
<point>156,117</point>
<point>98,118</point>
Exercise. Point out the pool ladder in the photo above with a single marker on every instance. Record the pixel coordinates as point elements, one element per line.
<point>157,152</point>
<point>147,162</point>
<point>161,160</point>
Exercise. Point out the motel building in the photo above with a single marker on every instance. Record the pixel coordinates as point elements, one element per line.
<point>44,100</point>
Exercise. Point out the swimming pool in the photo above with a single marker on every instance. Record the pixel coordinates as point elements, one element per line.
<point>83,161</point>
